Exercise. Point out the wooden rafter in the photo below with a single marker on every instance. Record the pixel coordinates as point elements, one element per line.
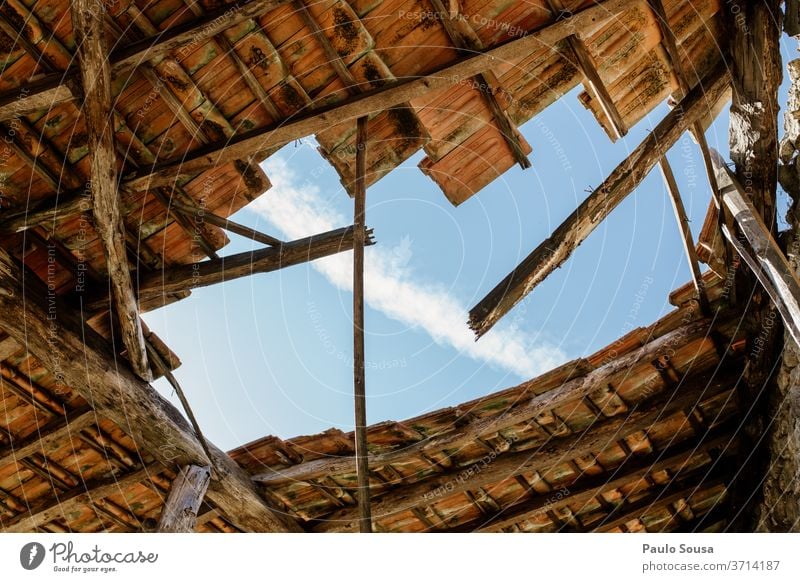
<point>51,433</point>
<point>87,365</point>
<point>473,428</point>
<point>226,224</point>
<point>96,76</point>
<point>586,65</point>
<point>552,253</point>
<point>464,38</point>
<point>179,514</point>
<point>602,437</point>
<point>390,95</point>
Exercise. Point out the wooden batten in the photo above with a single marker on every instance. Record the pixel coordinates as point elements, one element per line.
<point>179,514</point>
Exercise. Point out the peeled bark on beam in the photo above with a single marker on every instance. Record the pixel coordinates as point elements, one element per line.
<point>53,334</point>
<point>186,277</point>
<point>552,253</point>
<point>594,440</point>
<point>391,94</point>
<point>570,391</point>
<point>179,514</point>
<point>87,22</point>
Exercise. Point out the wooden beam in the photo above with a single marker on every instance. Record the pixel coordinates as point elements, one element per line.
<point>179,514</point>
<point>594,440</point>
<point>552,253</point>
<point>186,277</point>
<point>92,53</point>
<point>48,435</point>
<point>686,235</point>
<point>764,257</point>
<point>226,223</point>
<point>586,65</point>
<point>464,38</point>
<point>359,387</point>
<point>85,363</point>
<point>391,94</point>
<point>570,391</point>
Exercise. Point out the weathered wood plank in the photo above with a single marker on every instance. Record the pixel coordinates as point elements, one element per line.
<point>87,21</point>
<point>179,514</point>
<point>552,253</point>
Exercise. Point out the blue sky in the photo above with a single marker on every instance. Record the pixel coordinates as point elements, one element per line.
<point>271,353</point>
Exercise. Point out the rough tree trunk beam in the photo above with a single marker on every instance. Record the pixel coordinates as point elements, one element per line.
<point>87,21</point>
<point>552,253</point>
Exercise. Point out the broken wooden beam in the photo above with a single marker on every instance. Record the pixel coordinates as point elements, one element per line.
<point>552,253</point>
<point>191,276</point>
<point>179,514</point>
<point>84,361</point>
<point>92,52</point>
<point>391,94</point>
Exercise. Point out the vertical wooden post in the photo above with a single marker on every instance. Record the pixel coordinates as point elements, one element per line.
<point>179,514</point>
<point>87,21</point>
<point>686,234</point>
<point>359,388</point>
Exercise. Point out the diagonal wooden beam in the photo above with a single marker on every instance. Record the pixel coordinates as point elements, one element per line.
<point>179,514</point>
<point>552,253</point>
<point>85,363</point>
<point>764,257</point>
<point>391,94</point>
<point>89,30</point>
<point>53,432</point>
<point>226,224</point>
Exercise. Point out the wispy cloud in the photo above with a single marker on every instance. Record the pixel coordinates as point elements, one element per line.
<point>296,207</point>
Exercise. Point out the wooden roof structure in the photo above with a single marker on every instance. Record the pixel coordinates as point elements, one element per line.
<point>133,129</point>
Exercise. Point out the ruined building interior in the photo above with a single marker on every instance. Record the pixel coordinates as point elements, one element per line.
<point>128,123</point>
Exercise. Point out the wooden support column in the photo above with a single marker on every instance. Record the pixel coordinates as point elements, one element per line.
<point>686,235</point>
<point>552,253</point>
<point>87,20</point>
<point>179,514</point>
<point>392,94</point>
<point>359,387</point>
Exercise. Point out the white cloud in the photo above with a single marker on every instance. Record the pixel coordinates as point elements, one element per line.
<point>296,207</point>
